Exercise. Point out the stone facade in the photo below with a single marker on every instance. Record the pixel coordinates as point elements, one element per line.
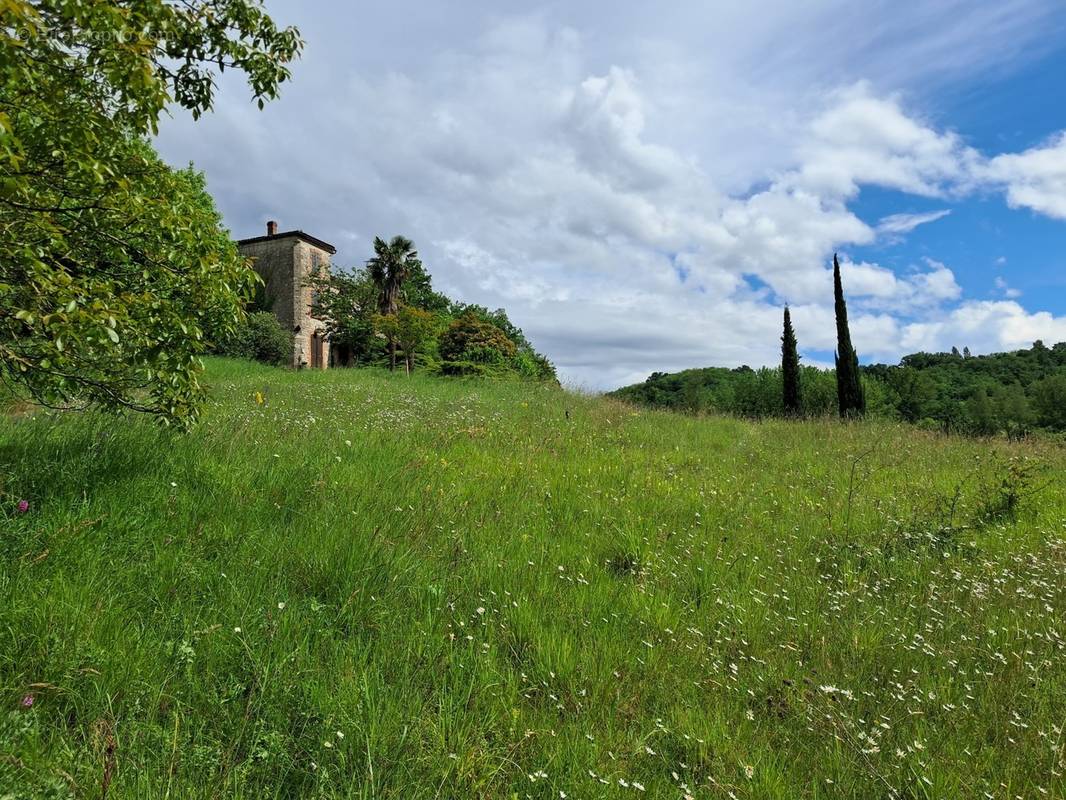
<point>285,261</point>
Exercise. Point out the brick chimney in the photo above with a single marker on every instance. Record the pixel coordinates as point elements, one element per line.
<point>272,228</point>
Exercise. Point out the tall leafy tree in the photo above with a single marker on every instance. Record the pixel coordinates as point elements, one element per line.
<point>348,301</point>
<point>114,268</point>
<point>391,265</point>
<point>119,316</point>
<point>982,413</point>
<point>418,291</point>
<point>790,368</point>
<point>915,390</point>
<point>850,397</point>
<point>1049,400</point>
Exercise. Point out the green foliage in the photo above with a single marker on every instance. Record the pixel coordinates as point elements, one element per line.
<point>348,303</point>
<point>1049,401</point>
<point>469,337</point>
<point>790,371</point>
<point>850,396</point>
<point>525,361</point>
<point>114,303</point>
<point>472,346</point>
<point>412,329</point>
<point>999,409</point>
<point>259,337</point>
<point>392,263</point>
<point>388,270</point>
<point>914,390</point>
<point>999,394</point>
<point>138,57</point>
<point>114,268</point>
<point>478,584</point>
<point>472,339</point>
<point>743,392</point>
<point>418,291</point>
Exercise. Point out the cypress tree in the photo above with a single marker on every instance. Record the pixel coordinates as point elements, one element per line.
<point>850,396</point>
<point>790,368</point>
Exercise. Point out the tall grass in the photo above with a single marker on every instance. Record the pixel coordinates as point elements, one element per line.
<point>379,586</point>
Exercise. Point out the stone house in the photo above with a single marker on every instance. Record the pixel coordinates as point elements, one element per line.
<point>285,261</point>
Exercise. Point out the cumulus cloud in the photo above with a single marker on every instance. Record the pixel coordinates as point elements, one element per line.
<point>1035,179</point>
<point>863,139</point>
<point>984,326</point>
<point>636,203</point>
<point>884,288</point>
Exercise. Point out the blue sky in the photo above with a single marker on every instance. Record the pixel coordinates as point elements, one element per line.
<point>642,186</point>
<point>996,114</point>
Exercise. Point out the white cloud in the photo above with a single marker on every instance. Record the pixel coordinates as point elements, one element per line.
<point>1035,179</point>
<point>639,192</point>
<point>1006,289</point>
<point>864,139</point>
<point>984,326</point>
<point>905,223</point>
<point>871,287</point>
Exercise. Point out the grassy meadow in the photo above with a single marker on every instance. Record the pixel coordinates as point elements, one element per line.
<point>375,586</point>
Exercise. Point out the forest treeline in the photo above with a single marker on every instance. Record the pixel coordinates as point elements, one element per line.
<point>1011,393</point>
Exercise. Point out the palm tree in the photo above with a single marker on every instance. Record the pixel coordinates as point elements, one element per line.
<point>388,269</point>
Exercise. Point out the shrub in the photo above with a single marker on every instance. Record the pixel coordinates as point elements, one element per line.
<point>468,369</point>
<point>470,339</point>
<point>261,338</point>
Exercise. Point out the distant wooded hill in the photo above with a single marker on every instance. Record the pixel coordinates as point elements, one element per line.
<point>998,393</point>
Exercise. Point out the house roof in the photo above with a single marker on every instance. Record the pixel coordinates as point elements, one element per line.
<point>291,235</point>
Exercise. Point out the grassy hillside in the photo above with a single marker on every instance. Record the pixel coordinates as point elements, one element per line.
<point>375,586</point>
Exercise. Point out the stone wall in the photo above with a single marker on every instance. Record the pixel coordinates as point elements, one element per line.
<point>284,264</point>
<point>308,259</point>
